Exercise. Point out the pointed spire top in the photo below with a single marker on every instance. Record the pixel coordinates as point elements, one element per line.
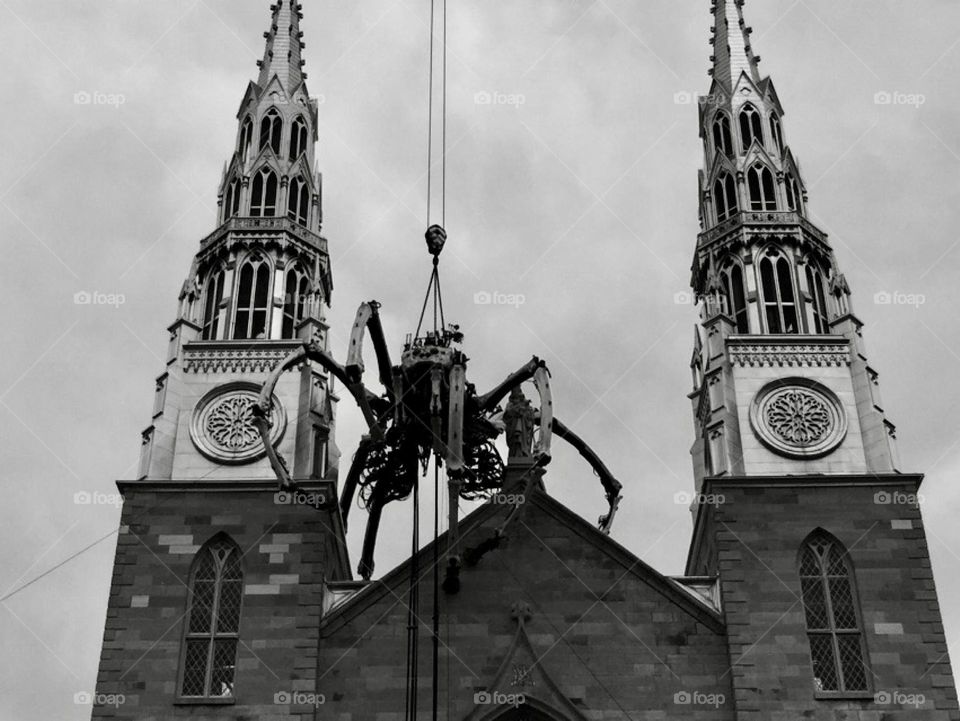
<point>732,54</point>
<point>282,57</point>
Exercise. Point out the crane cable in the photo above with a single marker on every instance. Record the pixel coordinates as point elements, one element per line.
<point>433,289</point>
<point>438,302</point>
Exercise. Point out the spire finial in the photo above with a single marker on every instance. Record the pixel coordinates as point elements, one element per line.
<point>282,57</point>
<point>732,53</point>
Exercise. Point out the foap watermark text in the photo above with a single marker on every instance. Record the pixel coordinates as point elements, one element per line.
<point>484,97</point>
<point>299,698</point>
<point>112,100</point>
<point>84,297</point>
<point>698,698</point>
<point>897,498</point>
<point>85,698</point>
<point>95,498</point>
<point>898,297</point>
<point>899,698</point>
<point>497,698</point>
<point>684,498</point>
<point>895,97</point>
<point>314,499</point>
<point>514,300</point>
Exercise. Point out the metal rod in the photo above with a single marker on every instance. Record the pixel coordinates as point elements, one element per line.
<point>436,587</point>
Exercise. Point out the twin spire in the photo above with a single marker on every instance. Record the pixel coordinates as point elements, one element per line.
<point>732,54</point>
<point>282,56</point>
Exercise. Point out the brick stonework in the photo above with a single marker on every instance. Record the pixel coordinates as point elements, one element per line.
<point>288,550</point>
<point>752,540</point>
<point>624,656</point>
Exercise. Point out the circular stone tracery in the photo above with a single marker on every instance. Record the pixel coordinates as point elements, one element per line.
<point>798,418</point>
<point>222,426</point>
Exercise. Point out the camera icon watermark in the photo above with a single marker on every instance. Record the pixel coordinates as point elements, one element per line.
<point>113,100</point>
<point>698,698</point>
<point>897,498</point>
<point>899,298</point>
<point>514,300</point>
<point>497,698</point>
<point>84,297</point>
<point>298,698</point>
<point>484,97</point>
<point>894,97</point>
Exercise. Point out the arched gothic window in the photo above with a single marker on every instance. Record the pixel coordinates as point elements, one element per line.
<point>271,130</point>
<point>843,303</point>
<point>298,138</point>
<point>736,298</point>
<point>263,197</point>
<point>832,614</point>
<point>779,296</point>
<point>751,128</point>
<point>212,297</point>
<point>763,193</point>
<point>212,621</point>
<point>231,200</point>
<point>818,297</point>
<point>298,201</point>
<point>296,289</point>
<point>725,197</point>
<point>722,140</point>
<point>794,197</point>
<point>246,137</point>
<point>776,131</point>
<point>253,300</point>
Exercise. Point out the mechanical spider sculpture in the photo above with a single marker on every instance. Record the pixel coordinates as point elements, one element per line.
<point>427,408</point>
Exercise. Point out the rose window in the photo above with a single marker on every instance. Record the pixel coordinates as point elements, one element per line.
<point>798,418</point>
<point>222,426</point>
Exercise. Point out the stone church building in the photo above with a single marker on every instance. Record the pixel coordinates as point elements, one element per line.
<point>808,591</point>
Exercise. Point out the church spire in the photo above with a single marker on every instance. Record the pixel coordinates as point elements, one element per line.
<point>776,311</point>
<point>732,54</point>
<point>282,55</point>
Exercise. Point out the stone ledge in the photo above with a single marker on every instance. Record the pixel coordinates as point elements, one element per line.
<point>815,351</point>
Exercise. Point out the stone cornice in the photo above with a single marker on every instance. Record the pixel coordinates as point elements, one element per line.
<point>776,221</point>
<point>265,230</point>
<point>789,351</point>
<point>236,356</point>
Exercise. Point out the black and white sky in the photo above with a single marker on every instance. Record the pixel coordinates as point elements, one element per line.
<point>573,192</point>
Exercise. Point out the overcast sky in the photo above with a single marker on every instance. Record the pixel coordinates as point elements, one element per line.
<point>578,193</point>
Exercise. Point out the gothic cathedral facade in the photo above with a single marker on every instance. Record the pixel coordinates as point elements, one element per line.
<point>808,591</point>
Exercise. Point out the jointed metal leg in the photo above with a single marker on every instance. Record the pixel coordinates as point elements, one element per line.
<point>353,477</point>
<point>611,485</point>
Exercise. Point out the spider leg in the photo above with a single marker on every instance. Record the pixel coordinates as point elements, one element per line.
<point>261,409</point>
<point>368,319</point>
<point>353,477</point>
<point>489,401</point>
<point>541,449</point>
<point>383,491</point>
<point>454,450</point>
<point>375,511</point>
<point>611,485</point>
